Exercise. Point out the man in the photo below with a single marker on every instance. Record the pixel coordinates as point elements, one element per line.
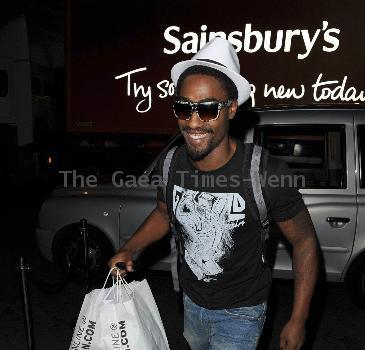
<point>223,276</point>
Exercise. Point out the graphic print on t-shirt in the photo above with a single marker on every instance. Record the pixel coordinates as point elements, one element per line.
<point>207,222</point>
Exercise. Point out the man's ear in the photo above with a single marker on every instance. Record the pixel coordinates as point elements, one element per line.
<point>232,109</point>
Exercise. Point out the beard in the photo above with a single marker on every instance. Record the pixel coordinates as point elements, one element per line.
<point>197,154</point>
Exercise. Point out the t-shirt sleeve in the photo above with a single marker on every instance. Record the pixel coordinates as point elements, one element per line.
<point>284,199</point>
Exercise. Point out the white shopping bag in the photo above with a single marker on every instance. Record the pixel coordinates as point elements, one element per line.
<point>122,317</point>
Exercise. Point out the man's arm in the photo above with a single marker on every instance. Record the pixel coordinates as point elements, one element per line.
<point>156,225</point>
<point>301,234</point>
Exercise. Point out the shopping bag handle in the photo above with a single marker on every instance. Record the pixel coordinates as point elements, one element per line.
<point>107,277</point>
<point>120,281</point>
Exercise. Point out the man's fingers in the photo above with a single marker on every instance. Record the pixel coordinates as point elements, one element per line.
<point>289,346</point>
<point>121,273</point>
<point>123,268</point>
<point>283,343</point>
<point>123,261</point>
<point>121,265</point>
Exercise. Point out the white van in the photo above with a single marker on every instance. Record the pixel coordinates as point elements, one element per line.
<point>327,146</point>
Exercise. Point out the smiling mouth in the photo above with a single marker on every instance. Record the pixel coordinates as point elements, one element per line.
<point>195,136</point>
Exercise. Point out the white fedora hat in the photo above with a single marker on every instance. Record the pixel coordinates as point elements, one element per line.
<point>219,54</point>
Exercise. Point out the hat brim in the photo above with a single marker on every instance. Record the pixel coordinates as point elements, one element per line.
<point>243,87</point>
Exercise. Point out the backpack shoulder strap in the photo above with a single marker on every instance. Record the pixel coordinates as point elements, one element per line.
<point>259,156</point>
<point>254,163</point>
<point>166,169</point>
<point>168,164</point>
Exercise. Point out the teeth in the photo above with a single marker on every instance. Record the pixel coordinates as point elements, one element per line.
<point>197,136</point>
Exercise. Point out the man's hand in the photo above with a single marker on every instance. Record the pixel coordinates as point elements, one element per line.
<point>292,336</point>
<point>125,256</point>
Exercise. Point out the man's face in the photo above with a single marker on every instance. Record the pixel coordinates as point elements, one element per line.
<point>203,137</point>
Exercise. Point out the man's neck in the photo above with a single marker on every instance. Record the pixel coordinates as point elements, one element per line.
<point>218,157</point>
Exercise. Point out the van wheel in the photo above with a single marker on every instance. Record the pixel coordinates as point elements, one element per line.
<point>68,250</point>
<point>355,282</point>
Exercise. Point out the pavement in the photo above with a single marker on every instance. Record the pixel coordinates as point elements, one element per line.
<point>335,324</point>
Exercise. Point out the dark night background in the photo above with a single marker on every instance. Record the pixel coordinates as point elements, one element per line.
<point>85,123</point>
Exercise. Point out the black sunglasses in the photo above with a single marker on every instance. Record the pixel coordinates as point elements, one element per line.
<point>206,111</point>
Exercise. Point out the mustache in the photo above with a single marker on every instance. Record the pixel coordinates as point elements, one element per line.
<point>187,129</point>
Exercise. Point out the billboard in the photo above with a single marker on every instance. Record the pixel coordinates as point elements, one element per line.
<point>119,56</point>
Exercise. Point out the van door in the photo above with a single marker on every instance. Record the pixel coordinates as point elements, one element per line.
<point>321,156</point>
<point>359,245</point>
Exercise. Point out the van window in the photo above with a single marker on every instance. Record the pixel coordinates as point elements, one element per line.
<point>3,83</point>
<point>317,152</point>
<point>361,141</point>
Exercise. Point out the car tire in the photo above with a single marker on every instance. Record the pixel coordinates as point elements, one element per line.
<point>355,282</point>
<point>68,250</point>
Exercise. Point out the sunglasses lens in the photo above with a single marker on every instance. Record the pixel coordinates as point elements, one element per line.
<point>182,110</point>
<point>208,110</point>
